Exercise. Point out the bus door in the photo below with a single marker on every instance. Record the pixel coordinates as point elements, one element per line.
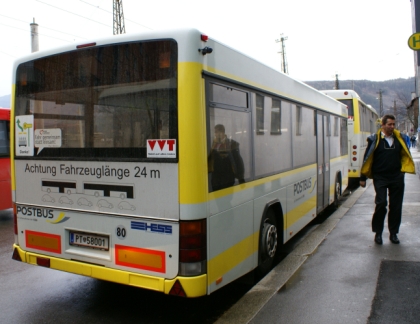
<point>323,161</point>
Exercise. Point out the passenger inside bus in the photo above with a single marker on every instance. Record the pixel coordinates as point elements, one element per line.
<point>225,163</point>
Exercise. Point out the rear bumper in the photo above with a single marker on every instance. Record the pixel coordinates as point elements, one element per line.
<point>193,286</point>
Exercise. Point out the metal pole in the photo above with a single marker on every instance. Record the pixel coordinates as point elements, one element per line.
<point>284,54</point>
<point>381,108</point>
<point>34,37</point>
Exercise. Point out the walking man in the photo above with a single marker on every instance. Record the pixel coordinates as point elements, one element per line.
<point>386,160</point>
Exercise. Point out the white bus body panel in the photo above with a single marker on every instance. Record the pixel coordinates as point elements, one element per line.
<point>117,188</point>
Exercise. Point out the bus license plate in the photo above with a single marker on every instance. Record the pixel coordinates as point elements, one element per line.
<point>100,242</point>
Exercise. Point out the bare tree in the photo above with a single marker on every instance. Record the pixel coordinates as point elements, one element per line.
<point>404,110</point>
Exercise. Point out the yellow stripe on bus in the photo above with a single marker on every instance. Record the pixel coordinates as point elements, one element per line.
<point>192,144</point>
<point>230,258</point>
<point>255,183</point>
<point>298,212</point>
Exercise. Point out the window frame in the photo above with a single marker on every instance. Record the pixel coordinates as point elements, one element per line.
<point>259,115</point>
<point>273,116</point>
<point>299,120</point>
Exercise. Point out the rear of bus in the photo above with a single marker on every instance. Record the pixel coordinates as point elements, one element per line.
<point>96,165</point>
<point>5,186</point>
<point>357,142</point>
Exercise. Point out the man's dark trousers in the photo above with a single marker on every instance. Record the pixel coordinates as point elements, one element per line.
<point>395,187</point>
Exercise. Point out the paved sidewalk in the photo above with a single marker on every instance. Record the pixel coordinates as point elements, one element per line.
<point>338,283</point>
<point>332,277</point>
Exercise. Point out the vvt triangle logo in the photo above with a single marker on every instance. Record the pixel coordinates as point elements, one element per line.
<point>165,148</point>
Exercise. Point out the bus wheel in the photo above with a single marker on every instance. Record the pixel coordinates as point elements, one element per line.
<point>268,243</point>
<point>337,192</point>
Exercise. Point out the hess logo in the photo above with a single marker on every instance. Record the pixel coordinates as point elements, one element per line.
<point>164,148</point>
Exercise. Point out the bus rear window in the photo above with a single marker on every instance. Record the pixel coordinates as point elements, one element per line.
<point>349,104</point>
<point>106,101</point>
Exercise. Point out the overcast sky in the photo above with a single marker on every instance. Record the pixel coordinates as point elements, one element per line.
<point>358,39</point>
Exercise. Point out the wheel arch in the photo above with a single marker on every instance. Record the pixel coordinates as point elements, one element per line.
<point>338,188</point>
<point>272,212</point>
<point>276,206</point>
<point>338,176</point>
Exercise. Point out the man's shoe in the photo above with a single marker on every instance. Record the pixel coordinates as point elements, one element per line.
<point>378,238</point>
<point>394,239</point>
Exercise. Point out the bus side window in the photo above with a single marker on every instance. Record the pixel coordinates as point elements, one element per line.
<point>229,159</point>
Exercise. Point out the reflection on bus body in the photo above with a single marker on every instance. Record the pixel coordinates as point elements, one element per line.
<point>225,161</point>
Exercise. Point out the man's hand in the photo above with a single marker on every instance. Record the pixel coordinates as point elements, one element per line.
<point>362,184</point>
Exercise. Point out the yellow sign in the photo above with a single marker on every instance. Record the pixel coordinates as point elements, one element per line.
<point>414,42</point>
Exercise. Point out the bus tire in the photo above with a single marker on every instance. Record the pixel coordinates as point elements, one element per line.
<point>268,245</point>
<point>337,191</point>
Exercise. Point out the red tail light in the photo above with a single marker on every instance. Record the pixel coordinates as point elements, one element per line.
<point>192,241</point>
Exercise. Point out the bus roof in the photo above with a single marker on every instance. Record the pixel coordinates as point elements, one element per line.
<point>342,94</point>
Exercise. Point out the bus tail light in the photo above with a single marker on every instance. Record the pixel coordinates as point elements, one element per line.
<point>354,153</point>
<point>15,219</point>
<point>192,248</point>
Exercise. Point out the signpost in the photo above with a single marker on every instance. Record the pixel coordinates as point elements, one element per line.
<point>414,42</point>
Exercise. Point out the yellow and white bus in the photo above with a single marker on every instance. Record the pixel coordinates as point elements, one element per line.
<point>167,160</point>
<point>362,121</point>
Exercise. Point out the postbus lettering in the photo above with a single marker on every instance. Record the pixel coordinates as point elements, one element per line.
<point>301,186</point>
<point>35,212</point>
